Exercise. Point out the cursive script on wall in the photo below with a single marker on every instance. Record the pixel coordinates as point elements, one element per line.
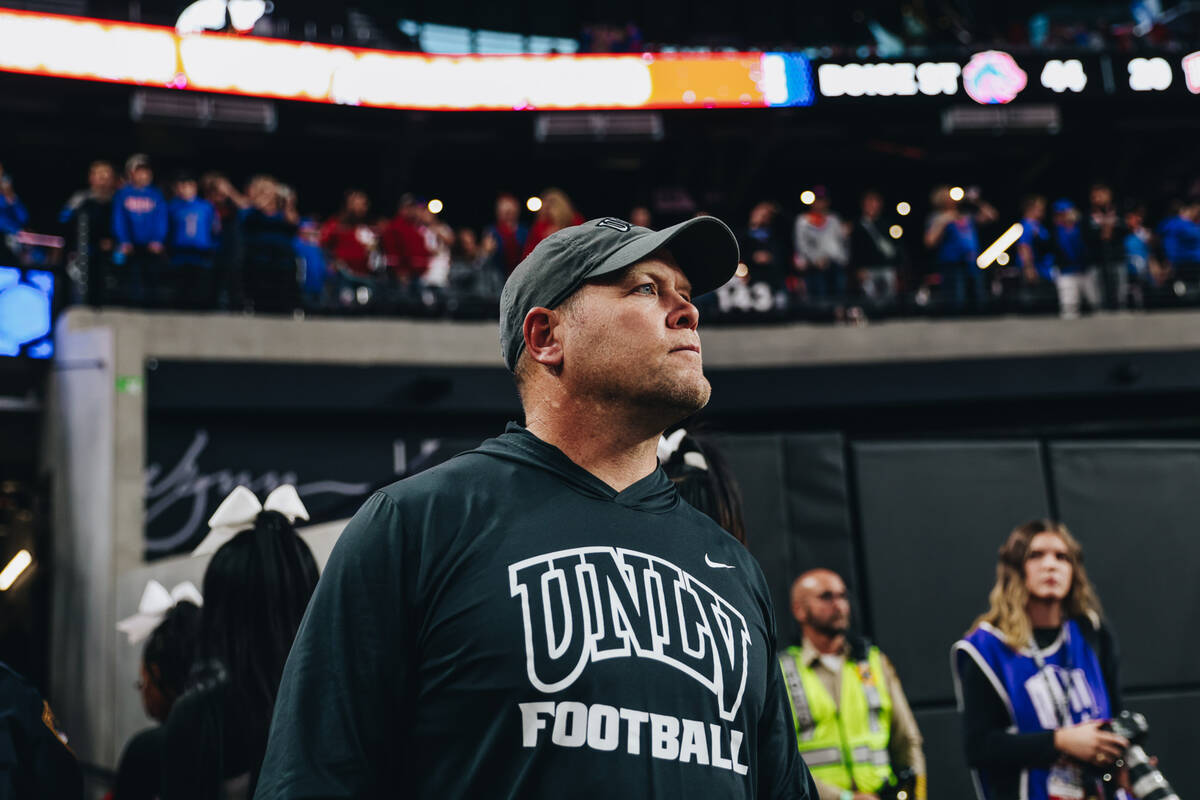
<point>186,483</point>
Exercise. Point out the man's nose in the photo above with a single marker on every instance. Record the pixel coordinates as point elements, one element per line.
<point>684,314</point>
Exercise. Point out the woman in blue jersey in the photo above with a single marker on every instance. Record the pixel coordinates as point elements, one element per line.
<point>1037,675</point>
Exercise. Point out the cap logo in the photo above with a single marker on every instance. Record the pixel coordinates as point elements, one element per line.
<point>614,223</point>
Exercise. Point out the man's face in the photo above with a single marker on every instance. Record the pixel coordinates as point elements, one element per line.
<point>1048,570</point>
<point>872,204</point>
<point>142,176</point>
<point>823,604</point>
<point>101,178</point>
<point>1101,196</point>
<point>506,210</point>
<point>186,190</point>
<point>632,340</point>
<point>357,205</point>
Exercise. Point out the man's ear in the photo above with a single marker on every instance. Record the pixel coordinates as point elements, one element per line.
<point>541,337</point>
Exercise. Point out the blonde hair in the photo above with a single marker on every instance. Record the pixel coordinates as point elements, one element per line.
<point>557,208</point>
<point>1008,598</point>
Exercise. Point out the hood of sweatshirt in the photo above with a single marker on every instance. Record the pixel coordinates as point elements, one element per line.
<point>654,494</point>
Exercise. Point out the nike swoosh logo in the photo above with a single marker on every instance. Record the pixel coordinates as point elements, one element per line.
<point>716,564</point>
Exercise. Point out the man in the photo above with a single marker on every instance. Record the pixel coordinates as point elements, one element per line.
<point>1034,248</point>
<point>543,616</point>
<point>1180,235</point>
<point>1076,278</point>
<point>504,240</point>
<point>952,235</point>
<point>193,230</point>
<point>87,218</point>
<point>853,724</point>
<point>877,257</point>
<point>1104,237</point>
<point>763,249</point>
<point>822,252</point>
<point>140,228</point>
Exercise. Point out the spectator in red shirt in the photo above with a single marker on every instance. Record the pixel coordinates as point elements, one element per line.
<point>556,213</point>
<point>348,238</point>
<point>404,242</point>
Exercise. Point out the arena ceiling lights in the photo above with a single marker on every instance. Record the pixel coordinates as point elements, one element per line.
<point>144,55</point>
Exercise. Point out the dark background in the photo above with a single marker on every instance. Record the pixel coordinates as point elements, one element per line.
<point>907,495</point>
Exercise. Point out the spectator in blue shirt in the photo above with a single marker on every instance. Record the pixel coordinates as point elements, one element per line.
<point>140,228</point>
<point>316,270</point>
<point>193,242</point>
<point>1180,235</point>
<point>1141,266</point>
<point>13,216</point>
<point>952,236</point>
<point>1034,247</point>
<point>1075,279</point>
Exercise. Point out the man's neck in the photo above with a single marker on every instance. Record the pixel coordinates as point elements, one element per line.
<point>1044,613</point>
<point>826,644</point>
<point>604,441</point>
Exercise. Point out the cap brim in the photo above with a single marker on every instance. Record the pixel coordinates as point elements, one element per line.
<point>703,247</point>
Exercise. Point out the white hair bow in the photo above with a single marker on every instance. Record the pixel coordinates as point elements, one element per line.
<point>667,445</point>
<point>238,511</point>
<point>155,603</point>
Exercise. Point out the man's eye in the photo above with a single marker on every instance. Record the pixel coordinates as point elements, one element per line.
<point>647,288</point>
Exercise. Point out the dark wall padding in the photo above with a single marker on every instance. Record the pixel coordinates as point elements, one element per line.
<point>932,516</point>
<point>1134,507</point>
<point>945,758</point>
<point>1174,737</point>
<point>794,495</point>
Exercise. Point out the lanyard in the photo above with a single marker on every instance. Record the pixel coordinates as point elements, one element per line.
<point>1061,707</point>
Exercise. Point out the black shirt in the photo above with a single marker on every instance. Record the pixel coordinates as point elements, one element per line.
<point>986,719</point>
<point>209,746</point>
<point>506,625</point>
<point>139,772</point>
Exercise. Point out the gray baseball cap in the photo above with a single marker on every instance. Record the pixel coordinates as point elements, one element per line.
<point>704,247</point>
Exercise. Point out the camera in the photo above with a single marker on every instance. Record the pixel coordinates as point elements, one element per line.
<point>901,787</point>
<point>1144,778</point>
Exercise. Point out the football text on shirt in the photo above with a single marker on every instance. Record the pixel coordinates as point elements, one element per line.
<point>607,728</point>
<point>589,604</point>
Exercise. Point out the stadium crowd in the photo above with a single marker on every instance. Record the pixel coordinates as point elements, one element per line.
<point>198,242</point>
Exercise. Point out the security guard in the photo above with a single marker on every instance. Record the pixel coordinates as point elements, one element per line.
<point>853,724</point>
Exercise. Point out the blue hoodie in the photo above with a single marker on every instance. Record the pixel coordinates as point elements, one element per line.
<point>139,216</point>
<point>1181,240</point>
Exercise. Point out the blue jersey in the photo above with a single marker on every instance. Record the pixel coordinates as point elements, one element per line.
<point>1072,257</point>
<point>139,216</point>
<point>959,243</point>
<point>192,224</point>
<point>1065,688</point>
<point>1037,238</point>
<point>1137,253</point>
<point>1181,240</point>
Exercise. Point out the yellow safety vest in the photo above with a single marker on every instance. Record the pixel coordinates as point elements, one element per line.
<point>844,744</point>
